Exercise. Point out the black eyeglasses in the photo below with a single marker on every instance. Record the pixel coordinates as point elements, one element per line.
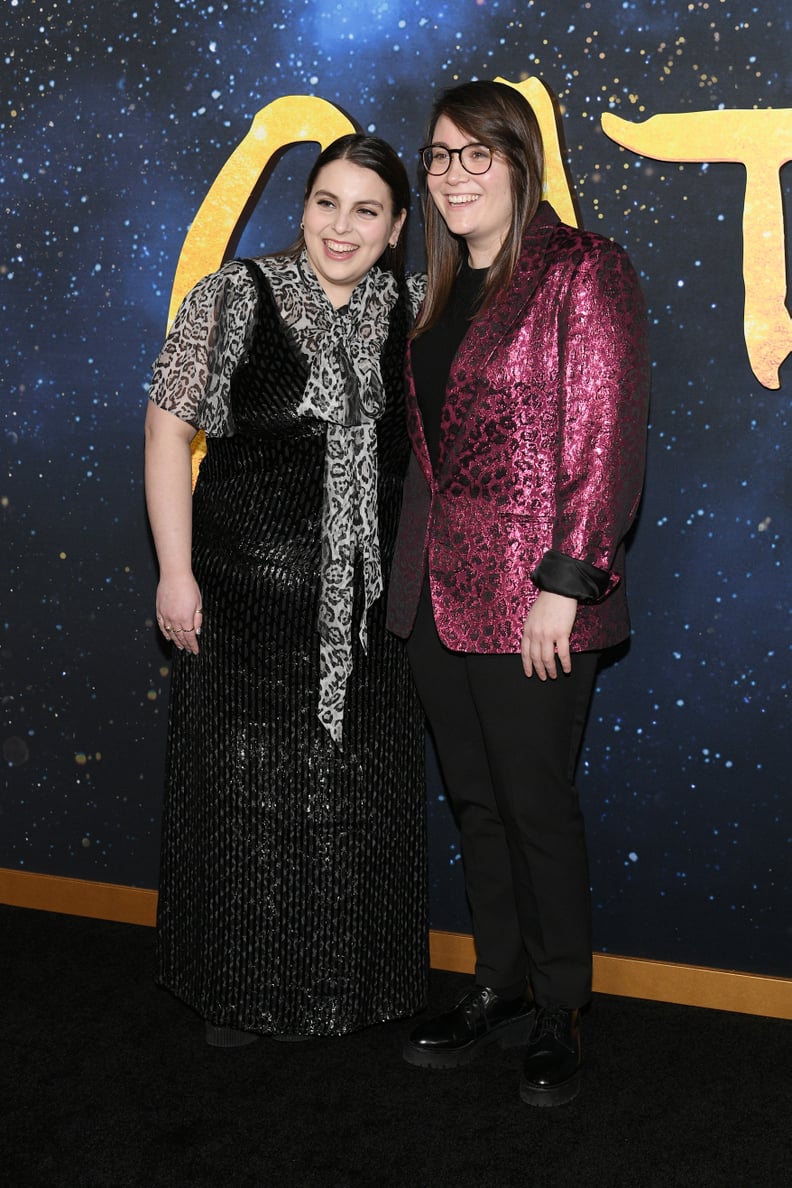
<point>474,158</point>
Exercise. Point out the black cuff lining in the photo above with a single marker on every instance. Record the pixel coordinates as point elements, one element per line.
<point>559,574</point>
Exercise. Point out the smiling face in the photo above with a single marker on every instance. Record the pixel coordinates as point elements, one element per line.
<point>478,207</point>
<point>348,222</point>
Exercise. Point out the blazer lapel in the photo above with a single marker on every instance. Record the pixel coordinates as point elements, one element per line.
<point>488,331</point>
<point>415,426</point>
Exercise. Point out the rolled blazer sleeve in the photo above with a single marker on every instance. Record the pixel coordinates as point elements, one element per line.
<point>604,383</point>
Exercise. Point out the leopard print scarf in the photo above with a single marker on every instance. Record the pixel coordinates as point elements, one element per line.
<point>344,389</point>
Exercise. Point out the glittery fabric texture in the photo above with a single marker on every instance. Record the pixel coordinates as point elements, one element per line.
<point>293,882</point>
<point>542,448</point>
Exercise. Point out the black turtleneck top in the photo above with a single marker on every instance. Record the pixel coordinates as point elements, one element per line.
<point>433,353</point>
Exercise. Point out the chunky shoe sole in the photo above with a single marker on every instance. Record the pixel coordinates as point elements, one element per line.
<point>552,1095</point>
<point>228,1037</point>
<point>507,1035</point>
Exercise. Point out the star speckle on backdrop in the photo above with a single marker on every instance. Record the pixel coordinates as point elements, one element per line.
<point>115,119</point>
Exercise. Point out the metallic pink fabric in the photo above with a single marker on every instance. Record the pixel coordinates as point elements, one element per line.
<point>542,447</point>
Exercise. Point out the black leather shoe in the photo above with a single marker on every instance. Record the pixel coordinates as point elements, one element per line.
<point>551,1071</point>
<point>480,1017</point>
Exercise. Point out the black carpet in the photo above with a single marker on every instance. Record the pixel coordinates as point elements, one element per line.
<point>106,1082</point>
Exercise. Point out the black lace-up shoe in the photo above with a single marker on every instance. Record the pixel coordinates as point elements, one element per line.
<point>480,1017</point>
<point>551,1071</point>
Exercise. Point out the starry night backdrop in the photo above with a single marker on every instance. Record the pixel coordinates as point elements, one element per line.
<point>116,117</point>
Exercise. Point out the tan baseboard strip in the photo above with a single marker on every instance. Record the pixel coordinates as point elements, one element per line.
<point>660,981</point>
<point>630,977</point>
<point>78,897</point>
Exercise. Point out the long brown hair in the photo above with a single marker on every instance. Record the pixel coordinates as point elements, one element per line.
<point>498,116</point>
<point>367,152</point>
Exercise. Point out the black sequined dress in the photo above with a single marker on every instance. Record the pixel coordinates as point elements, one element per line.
<point>293,886</point>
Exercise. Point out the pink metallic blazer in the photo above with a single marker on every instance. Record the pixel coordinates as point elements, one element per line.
<point>542,448</point>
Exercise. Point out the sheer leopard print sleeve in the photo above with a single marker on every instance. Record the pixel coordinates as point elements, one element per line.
<point>416,288</point>
<point>192,371</point>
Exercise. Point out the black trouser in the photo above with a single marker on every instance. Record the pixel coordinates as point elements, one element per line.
<point>507,746</point>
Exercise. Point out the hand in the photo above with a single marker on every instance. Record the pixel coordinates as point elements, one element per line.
<point>546,633</point>
<point>179,613</point>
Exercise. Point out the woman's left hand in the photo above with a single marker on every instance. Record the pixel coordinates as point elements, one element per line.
<point>546,633</point>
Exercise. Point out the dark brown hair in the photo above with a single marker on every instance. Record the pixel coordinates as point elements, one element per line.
<point>498,116</point>
<point>367,152</point>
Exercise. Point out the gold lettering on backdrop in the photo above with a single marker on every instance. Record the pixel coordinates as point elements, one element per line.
<point>556,184</point>
<point>296,118</point>
<point>762,142</point>
<point>289,120</point>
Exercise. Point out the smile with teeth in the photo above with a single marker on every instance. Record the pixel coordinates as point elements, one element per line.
<point>462,199</point>
<point>333,245</point>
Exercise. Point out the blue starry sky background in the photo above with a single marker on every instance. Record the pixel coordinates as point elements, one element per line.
<point>115,118</point>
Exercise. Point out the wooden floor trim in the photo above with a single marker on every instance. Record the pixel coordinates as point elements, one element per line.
<point>78,897</point>
<point>630,977</point>
<point>661,981</point>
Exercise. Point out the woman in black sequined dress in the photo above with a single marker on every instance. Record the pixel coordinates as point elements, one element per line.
<point>292,895</point>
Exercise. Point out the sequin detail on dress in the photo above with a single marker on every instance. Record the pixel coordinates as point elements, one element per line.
<point>293,888</point>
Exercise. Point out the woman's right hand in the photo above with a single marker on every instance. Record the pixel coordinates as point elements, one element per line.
<point>546,633</point>
<point>179,611</point>
<point>169,500</point>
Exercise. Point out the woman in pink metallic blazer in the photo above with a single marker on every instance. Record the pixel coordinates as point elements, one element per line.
<point>527,401</point>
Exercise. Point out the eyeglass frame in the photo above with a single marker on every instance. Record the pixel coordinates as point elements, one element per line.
<point>459,152</point>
